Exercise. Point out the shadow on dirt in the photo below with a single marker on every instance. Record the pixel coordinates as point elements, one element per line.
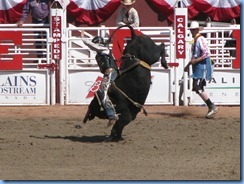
<point>84,139</point>
<point>181,114</point>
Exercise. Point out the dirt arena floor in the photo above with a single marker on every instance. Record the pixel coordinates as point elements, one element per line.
<point>171,143</point>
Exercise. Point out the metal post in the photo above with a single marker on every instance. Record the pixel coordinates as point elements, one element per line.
<point>180,29</point>
<point>58,25</point>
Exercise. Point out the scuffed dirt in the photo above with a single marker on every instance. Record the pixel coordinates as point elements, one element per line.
<point>171,143</point>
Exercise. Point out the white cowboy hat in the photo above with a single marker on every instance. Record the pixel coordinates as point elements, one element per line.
<point>195,25</point>
<point>128,2</point>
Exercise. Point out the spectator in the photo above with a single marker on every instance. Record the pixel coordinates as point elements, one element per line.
<point>231,44</point>
<point>201,67</point>
<point>128,15</point>
<point>109,70</point>
<point>39,10</point>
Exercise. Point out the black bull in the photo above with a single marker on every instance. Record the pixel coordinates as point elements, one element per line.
<point>131,87</point>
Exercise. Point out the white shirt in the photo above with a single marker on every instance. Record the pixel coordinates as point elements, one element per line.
<point>200,48</point>
<point>132,20</point>
<point>96,47</point>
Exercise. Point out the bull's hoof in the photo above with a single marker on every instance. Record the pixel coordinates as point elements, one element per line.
<point>113,139</point>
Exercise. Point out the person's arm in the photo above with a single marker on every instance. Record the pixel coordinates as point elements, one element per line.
<point>135,17</point>
<point>205,52</point>
<point>119,19</point>
<point>25,13</point>
<point>93,46</point>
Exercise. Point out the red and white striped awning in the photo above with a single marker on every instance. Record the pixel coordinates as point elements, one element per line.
<point>218,10</point>
<point>166,8</point>
<point>11,10</point>
<point>92,12</point>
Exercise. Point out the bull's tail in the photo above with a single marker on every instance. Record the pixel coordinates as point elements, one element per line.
<point>133,34</point>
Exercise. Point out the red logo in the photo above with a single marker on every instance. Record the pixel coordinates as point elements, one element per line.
<point>94,87</point>
<point>6,37</point>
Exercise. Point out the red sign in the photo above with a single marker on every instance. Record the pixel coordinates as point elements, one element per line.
<point>94,87</point>
<point>180,35</point>
<point>56,35</point>
<point>236,62</point>
<point>7,37</point>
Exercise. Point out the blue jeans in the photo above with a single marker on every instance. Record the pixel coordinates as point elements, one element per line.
<point>103,90</point>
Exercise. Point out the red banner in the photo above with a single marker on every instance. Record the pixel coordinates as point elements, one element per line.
<point>237,62</point>
<point>56,35</point>
<point>180,34</point>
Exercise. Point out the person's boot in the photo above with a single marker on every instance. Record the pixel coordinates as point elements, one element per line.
<point>211,111</point>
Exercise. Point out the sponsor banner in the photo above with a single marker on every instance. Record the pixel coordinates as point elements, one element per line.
<point>24,88</point>
<point>180,36</point>
<point>57,35</point>
<point>223,89</point>
<point>83,84</point>
<point>180,26</point>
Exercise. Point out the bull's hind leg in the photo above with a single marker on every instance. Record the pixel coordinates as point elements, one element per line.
<point>116,132</point>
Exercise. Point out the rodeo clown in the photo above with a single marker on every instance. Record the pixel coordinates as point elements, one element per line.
<point>201,66</point>
<point>108,68</point>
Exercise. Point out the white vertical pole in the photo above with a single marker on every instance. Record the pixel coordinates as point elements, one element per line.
<point>208,24</point>
<point>180,29</point>
<point>58,25</point>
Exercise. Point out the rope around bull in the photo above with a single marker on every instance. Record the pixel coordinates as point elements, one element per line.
<point>132,101</point>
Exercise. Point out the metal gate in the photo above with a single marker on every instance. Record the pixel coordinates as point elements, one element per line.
<point>25,79</point>
<point>83,75</point>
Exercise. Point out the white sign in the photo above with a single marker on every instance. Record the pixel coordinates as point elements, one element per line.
<point>83,84</point>
<point>24,88</point>
<point>223,89</point>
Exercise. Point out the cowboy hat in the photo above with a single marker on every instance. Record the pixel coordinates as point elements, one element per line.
<point>128,2</point>
<point>195,25</point>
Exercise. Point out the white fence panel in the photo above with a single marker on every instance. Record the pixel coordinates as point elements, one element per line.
<point>33,83</point>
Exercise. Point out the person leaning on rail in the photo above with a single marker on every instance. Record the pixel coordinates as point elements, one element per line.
<point>108,68</point>
<point>128,15</point>
<point>202,67</point>
<point>40,11</point>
